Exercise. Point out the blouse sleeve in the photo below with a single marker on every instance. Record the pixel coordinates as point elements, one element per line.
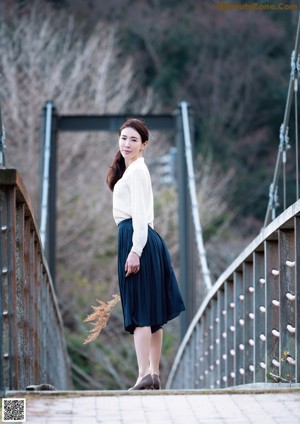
<point>140,185</point>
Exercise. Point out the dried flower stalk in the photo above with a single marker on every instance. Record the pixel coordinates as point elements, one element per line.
<point>100,315</point>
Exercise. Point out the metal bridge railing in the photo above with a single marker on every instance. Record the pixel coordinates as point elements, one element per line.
<point>32,345</point>
<point>247,329</point>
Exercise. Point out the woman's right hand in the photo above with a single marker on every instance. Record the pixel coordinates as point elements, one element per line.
<point>132,265</point>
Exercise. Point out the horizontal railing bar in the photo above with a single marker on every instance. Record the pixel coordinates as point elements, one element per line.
<point>111,122</point>
<point>11,177</point>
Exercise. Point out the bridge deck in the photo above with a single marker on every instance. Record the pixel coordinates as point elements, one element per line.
<point>163,407</point>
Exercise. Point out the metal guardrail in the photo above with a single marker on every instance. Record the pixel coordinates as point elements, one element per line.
<point>247,329</point>
<point>32,346</point>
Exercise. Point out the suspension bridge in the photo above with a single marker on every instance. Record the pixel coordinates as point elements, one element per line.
<point>239,360</point>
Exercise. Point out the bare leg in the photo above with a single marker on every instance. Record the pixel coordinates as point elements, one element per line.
<point>142,339</point>
<point>155,351</point>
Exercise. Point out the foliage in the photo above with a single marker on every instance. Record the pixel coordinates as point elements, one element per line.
<point>233,70</point>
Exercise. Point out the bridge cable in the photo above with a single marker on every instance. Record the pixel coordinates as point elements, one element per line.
<point>193,195</point>
<point>283,136</point>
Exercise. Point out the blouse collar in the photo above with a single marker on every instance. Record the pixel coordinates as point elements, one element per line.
<point>138,160</point>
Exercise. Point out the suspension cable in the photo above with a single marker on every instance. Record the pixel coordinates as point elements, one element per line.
<point>193,195</point>
<point>296,77</point>
<point>284,138</point>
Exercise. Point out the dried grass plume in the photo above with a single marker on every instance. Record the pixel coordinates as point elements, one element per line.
<point>100,315</point>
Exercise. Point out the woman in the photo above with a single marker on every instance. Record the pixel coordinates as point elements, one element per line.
<point>149,292</point>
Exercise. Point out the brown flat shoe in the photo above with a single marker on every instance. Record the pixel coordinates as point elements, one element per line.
<point>146,383</point>
<point>156,382</point>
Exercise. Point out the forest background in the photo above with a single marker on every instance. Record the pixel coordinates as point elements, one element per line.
<point>137,57</point>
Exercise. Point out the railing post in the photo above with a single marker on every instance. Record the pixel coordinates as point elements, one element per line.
<point>3,265</point>
<point>9,329</point>
<point>27,301</point>
<point>21,284</point>
<point>271,313</point>
<point>238,330</point>
<point>223,344</point>
<point>211,341</point>
<point>229,299</point>
<point>297,292</point>
<point>287,303</point>
<point>248,348</point>
<point>197,355</point>
<point>259,327</point>
<point>217,340</point>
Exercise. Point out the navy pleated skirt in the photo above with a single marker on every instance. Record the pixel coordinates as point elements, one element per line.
<point>151,297</point>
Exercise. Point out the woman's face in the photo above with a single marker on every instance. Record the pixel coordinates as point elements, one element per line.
<point>130,144</point>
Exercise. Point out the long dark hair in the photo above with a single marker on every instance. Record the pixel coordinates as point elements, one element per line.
<point>118,167</point>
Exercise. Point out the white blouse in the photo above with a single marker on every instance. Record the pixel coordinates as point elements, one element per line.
<point>133,198</point>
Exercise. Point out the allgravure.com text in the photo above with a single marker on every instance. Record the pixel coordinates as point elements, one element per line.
<point>256,6</point>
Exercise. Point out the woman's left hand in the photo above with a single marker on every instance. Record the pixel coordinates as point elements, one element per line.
<point>132,265</point>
